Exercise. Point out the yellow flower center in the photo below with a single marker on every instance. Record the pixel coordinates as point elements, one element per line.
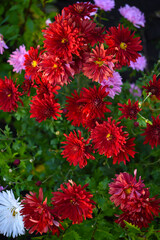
<point>123,45</point>
<point>34,63</point>
<point>128,191</point>
<point>13,211</point>
<point>109,136</point>
<point>9,94</point>
<point>64,40</point>
<point>55,65</point>
<point>99,62</point>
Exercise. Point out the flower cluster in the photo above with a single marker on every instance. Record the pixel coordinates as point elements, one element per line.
<point>87,106</point>
<point>133,198</point>
<point>73,44</point>
<point>35,215</point>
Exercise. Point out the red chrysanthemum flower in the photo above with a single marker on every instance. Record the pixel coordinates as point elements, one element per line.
<point>125,188</point>
<point>154,87</point>
<point>81,9</point>
<point>91,33</point>
<point>152,132</point>
<point>27,84</point>
<point>9,95</point>
<point>77,150</point>
<point>123,44</point>
<point>91,123</point>
<point>38,216</point>
<point>129,110</point>
<point>31,63</point>
<point>75,108</point>
<point>44,87</point>
<point>140,211</point>
<point>44,108</point>
<point>108,138</point>
<point>94,104</point>
<point>74,202</point>
<point>126,151</point>
<point>63,38</point>
<point>98,64</point>
<point>56,70</point>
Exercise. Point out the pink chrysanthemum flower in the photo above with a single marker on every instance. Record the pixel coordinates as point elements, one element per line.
<point>140,64</point>
<point>140,211</point>
<point>106,5</point>
<point>113,84</point>
<point>134,90</point>
<point>133,15</point>
<point>124,188</point>
<point>2,44</point>
<point>17,58</point>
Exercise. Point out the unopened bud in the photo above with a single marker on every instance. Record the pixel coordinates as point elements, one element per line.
<point>38,183</point>
<point>16,162</point>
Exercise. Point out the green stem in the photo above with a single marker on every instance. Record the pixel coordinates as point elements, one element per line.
<point>140,104</point>
<point>145,119</point>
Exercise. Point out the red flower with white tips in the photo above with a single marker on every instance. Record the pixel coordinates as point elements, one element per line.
<point>98,65</point>
<point>55,69</point>
<point>31,63</point>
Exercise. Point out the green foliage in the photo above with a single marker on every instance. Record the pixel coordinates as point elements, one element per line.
<point>38,146</point>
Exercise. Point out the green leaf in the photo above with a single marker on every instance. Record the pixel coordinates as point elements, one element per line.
<point>131,227</point>
<point>72,235</point>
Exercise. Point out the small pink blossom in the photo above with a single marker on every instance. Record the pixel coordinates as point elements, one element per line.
<point>2,44</point>
<point>133,15</point>
<point>106,5</point>
<point>113,84</point>
<point>48,21</point>
<point>135,91</point>
<point>17,58</point>
<point>140,63</point>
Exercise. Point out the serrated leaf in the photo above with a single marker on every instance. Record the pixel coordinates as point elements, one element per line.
<point>72,235</point>
<point>132,227</point>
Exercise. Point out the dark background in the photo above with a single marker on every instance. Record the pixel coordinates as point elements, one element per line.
<point>150,35</point>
